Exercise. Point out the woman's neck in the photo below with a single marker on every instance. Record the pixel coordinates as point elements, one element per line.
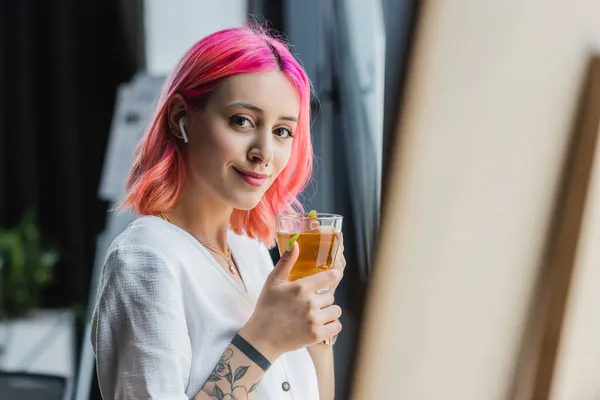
<point>203,215</point>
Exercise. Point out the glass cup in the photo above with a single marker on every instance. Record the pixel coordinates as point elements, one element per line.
<point>318,238</point>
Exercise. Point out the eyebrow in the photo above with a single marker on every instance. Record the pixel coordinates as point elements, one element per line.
<point>260,110</point>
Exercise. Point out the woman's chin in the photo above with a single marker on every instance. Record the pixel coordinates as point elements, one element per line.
<point>247,203</point>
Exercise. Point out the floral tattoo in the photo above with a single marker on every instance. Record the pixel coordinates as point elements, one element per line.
<point>224,370</point>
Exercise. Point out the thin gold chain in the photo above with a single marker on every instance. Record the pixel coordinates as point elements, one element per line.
<point>227,257</point>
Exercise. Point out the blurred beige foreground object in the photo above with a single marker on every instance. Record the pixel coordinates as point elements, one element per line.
<point>485,131</point>
<point>578,357</point>
<point>537,358</point>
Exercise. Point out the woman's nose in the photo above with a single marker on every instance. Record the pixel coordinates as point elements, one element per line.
<point>262,147</point>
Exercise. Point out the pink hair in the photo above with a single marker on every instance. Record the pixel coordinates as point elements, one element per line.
<point>158,171</point>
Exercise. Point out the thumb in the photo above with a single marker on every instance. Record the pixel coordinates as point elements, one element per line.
<point>281,272</point>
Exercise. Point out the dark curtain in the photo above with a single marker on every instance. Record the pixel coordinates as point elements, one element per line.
<point>60,63</point>
<point>267,12</point>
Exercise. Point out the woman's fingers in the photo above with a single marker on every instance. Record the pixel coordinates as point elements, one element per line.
<point>340,260</point>
<point>324,300</point>
<point>329,330</point>
<point>329,314</point>
<point>321,280</point>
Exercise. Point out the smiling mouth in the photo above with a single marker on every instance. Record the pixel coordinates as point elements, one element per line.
<point>252,180</point>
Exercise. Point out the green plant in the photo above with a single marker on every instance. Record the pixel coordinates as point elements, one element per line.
<point>26,267</point>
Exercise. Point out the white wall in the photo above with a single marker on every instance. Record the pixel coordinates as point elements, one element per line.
<point>172,26</point>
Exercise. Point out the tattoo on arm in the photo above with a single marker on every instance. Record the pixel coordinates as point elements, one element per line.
<point>223,373</point>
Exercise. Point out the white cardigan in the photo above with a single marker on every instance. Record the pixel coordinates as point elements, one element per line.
<point>166,311</point>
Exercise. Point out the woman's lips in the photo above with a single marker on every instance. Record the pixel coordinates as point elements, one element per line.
<point>251,178</point>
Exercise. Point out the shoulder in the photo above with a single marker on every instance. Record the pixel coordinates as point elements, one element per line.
<point>141,247</point>
<point>155,237</point>
<point>134,265</point>
<point>146,231</point>
<point>138,276</point>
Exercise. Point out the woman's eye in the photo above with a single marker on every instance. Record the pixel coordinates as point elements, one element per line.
<point>240,121</point>
<point>283,133</point>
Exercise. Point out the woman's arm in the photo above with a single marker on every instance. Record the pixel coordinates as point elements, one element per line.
<point>321,354</point>
<point>288,316</point>
<point>238,373</point>
<point>322,357</point>
<point>235,375</point>
<point>139,330</point>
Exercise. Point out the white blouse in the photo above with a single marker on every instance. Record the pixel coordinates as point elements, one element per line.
<point>166,311</point>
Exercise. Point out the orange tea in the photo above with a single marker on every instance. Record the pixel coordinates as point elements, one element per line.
<point>317,251</point>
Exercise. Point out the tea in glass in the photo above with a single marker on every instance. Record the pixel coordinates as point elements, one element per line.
<point>318,239</point>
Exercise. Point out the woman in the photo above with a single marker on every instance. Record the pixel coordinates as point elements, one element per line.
<point>189,303</point>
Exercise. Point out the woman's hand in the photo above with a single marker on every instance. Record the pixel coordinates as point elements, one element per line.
<point>339,262</point>
<point>292,315</point>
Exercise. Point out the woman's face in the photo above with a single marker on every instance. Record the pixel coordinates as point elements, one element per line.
<point>241,139</point>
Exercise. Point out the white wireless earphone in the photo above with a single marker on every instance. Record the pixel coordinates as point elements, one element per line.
<point>182,130</point>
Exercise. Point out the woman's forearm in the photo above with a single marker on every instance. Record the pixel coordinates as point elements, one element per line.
<point>322,357</point>
<point>237,374</point>
<point>234,374</point>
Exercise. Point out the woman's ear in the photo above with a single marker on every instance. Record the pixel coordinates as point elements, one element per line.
<point>177,109</point>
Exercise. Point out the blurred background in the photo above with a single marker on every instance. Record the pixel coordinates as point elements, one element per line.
<point>459,139</point>
<point>78,81</point>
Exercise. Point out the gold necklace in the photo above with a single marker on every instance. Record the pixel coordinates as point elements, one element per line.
<point>227,257</point>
